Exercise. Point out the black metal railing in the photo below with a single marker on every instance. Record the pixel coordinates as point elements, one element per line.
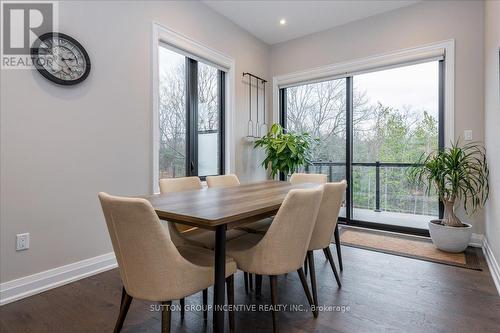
<point>377,165</point>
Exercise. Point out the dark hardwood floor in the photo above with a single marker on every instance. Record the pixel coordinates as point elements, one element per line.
<point>383,293</point>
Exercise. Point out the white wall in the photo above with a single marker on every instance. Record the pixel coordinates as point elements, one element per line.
<point>412,26</point>
<point>492,121</point>
<point>62,145</point>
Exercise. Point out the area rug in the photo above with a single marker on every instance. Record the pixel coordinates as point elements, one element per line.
<point>408,246</point>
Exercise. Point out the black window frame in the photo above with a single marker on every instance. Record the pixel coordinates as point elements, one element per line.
<point>191,86</point>
<point>348,220</point>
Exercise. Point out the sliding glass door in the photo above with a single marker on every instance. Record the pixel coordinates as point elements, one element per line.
<point>320,109</point>
<point>372,127</point>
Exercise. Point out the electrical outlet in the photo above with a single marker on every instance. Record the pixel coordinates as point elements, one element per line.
<point>22,241</point>
<point>468,135</point>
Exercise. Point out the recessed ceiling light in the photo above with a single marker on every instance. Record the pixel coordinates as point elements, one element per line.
<point>282,21</point>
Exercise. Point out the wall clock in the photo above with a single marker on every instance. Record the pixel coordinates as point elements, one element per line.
<point>60,58</point>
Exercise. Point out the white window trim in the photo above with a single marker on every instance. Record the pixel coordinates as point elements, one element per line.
<point>385,60</point>
<point>162,34</point>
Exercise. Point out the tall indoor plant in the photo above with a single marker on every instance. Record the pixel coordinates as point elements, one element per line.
<point>285,152</point>
<point>457,174</point>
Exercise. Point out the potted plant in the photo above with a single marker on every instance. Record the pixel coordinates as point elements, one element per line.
<point>457,174</point>
<point>285,152</point>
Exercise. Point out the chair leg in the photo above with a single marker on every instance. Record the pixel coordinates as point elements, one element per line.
<point>183,305</point>
<point>303,280</point>
<point>125,305</point>
<point>336,234</point>
<point>305,265</point>
<point>245,276</point>
<point>165,316</point>
<point>123,297</point>
<point>273,279</point>
<point>250,277</point>
<point>329,256</point>
<point>230,300</point>
<point>312,276</point>
<point>205,304</point>
<point>258,284</point>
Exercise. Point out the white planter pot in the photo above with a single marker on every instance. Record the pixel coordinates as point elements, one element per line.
<point>450,239</point>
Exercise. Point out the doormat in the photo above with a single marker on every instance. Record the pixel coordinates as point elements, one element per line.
<point>408,246</point>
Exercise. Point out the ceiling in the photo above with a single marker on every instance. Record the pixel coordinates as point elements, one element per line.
<point>261,18</point>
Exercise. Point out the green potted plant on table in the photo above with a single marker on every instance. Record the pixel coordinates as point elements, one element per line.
<point>457,174</point>
<point>285,152</point>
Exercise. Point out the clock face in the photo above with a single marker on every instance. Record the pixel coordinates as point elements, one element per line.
<point>60,58</point>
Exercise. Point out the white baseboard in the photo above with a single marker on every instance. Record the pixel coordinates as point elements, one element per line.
<point>492,264</point>
<point>476,240</point>
<point>33,284</point>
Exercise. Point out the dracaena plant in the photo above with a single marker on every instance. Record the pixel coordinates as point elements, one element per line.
<point>457,174</point>
<point>285,152</point>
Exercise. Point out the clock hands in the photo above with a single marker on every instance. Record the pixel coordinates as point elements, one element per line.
<point>63,59</point>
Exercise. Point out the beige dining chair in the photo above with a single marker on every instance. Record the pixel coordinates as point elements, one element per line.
<point>317,178</point>
<point>194,236</point>
<point>231,181</point>
<point>223,181</point>
<point>283,248</point>
<point>323,230</point>
<point>296,178</point>
<point>151,267</point>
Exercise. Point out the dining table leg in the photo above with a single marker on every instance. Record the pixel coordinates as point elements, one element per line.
<point>219,278</point>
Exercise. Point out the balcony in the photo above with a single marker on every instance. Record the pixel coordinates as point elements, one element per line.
<point>382,193</point>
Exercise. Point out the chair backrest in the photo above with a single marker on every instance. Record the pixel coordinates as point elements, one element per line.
<point>317,178</point>
<point>223,181</point>
<point>168,185</point>
<point>146,256</point>
<point>328,214</point>
<point>284,246</point>
<point>181,184</point>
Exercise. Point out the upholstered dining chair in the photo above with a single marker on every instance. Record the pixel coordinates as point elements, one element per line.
<point>223,181</point>
<point>296,178</point>
<point>283,248</point>
<point>232,180</point>
<point>318,178</point>
<point>151,267</point>
<point>323,230</point>
<point>196,237</point>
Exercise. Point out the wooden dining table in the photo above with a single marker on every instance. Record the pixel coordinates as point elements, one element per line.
<point>221,209</point>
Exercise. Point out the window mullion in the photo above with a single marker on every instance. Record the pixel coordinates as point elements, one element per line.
<point>221,84</point>
<point>441,120</point>
<point>192,117</point>
<point>349,148</point>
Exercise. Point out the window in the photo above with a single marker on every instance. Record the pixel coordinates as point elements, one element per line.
<point>190,116</point>
<point>371,127</point>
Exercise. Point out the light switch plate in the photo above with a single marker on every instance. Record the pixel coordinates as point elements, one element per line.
<point>22,241</point>
<point>468,135</point>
